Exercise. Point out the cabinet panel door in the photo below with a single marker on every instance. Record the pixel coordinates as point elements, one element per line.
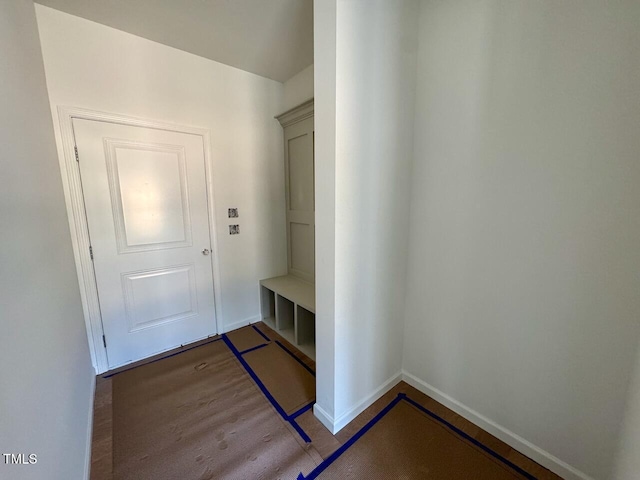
<point>299,167</point>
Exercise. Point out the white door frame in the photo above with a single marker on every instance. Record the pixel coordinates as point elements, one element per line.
<point>78,218</point>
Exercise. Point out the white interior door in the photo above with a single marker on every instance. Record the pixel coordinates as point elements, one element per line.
<point>146,202</point>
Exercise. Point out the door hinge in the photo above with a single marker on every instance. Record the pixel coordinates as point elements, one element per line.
<point>91,251</point>
<point>104,341</point>
<point>75,149</point>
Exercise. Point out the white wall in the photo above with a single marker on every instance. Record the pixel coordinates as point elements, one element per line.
<point>46,375</point>
<point>97,67</point>
<point>522,299</point>
<point>298,88</point>
<point>375,61</point>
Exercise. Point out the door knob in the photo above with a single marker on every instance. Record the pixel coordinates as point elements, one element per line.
<point>205,251</point>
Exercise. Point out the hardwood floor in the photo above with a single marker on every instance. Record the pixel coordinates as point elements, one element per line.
<point>322,440</point>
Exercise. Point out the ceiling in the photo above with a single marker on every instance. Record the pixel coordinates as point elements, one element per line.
<point>271,38</point>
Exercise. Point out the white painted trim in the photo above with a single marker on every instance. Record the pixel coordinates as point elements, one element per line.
<point>344,419</point>
<point>335,425</point>
<point>78,220</point>
<point>92,397</point>
<point>324,417</point>
<point>242,323</point>
<point>525,447</point>
<point>296,114</point>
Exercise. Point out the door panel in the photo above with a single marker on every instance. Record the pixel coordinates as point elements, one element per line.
<point>299,174</point>
<point>148,187</point>
<point>301,240</point>
<point>159,296</point>
<point>146,202</point>
<point>300,163</point>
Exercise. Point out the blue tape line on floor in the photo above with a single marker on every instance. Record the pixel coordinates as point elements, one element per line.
<point>296,358</point>
<point>264,390</point>
<point>302,410</point>
<point>261,333</point>
<point>300,431</point>
<point>253,348</point>
<point>334,456</point>
<point>402,396</point>
<point>470,438</point>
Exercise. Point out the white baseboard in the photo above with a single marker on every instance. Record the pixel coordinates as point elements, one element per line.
<point>323,416</point>
<point>240,324</point>
<point>89,440</point>
<point>335,425</point>
<point>525,447</point>
<point>344,419</point>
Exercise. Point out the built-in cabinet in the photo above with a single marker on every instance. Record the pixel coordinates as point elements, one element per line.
<point>298,171</point>
<point>288,302</point>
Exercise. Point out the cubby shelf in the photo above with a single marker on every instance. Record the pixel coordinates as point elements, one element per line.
<point>288,307</point>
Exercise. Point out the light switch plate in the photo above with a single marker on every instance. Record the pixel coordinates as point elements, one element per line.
<point>234,229</point>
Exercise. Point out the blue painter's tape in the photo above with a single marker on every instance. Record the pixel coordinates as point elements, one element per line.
<point>302,410</point>
<point>334,456</point>
<point>253,348</point>
<point>470,439</point>
<point>296,358</point>
<point>252,374</point>
<point>264,390</point>
<point>261,333</point>
<point>403,397</point>
<point>300,431</point>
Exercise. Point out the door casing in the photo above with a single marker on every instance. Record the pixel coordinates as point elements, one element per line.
<point>78,226</point>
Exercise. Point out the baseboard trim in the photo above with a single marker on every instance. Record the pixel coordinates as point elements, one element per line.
<point>324,417</point>
<point>89,440</point>
<point>525,447</point>
<point>241,323</point>
<point>344,419</point>
<point>335,425</point>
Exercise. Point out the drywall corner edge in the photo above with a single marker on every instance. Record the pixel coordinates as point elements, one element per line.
<point>525,447</point>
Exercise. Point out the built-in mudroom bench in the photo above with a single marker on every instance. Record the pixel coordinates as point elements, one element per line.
<point>289,307</point>
<point>289,302</point>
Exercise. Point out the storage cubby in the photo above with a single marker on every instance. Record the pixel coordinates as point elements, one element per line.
<point>288,307</point>
<point>268,306</point>
<point>285,309</point>
<point>305,330</point>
